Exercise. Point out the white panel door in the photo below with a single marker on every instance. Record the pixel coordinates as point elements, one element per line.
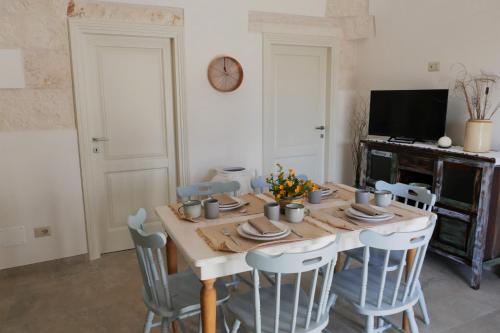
<point>130,121</point>
<point>295,82</point>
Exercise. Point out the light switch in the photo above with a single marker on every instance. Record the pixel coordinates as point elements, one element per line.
<point>11,69</point>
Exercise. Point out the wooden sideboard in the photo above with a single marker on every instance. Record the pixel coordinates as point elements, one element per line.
<point>467,188</point>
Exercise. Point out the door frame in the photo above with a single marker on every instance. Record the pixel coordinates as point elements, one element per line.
<point>78,28</point>
<point>331,44</point>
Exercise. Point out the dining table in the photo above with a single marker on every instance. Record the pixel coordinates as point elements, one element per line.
<point>208,264</point>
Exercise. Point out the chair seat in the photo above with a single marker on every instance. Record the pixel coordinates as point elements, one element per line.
<point>185,290</point>
<point>377,257</point>
<point>347,284</point>
<point>242,306</point>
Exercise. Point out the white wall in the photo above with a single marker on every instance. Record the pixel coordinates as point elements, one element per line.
<point>411,33</point>
<point>40,186</point>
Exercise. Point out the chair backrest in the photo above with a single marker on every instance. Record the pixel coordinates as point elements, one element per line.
<point>422,197</point>
<point>206,189</point>
<point>392,291</point>
<point>258,184</point>
<point>150,249</point>
<point>296,264</point>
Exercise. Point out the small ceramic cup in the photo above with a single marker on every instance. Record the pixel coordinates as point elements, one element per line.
<point>294,213</point>
<point>191,209</point>
<point>211,208</point>
<point>383,198</point>
<point>314,197</point>
<point>272,211</point>
<point>362,197</point>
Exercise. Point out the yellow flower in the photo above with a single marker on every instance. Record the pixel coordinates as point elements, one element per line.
<point>282,187</point>
<point>289,183</point>
<point>297,190</point>
<point>278,196</point>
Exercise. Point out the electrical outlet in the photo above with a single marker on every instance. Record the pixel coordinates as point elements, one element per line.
<point>42,232</point>
<point>433,66</point>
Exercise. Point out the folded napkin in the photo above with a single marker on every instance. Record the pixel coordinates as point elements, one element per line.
<point>367,209</point>
<point>264,226</point>
<point>224,199</point>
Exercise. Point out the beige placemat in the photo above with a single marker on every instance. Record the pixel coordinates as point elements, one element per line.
<point>336,217</point>
<point>215,238</point>
<point>255,205</point>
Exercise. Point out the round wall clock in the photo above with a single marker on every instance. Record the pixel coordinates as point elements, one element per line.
<point>225,74</point>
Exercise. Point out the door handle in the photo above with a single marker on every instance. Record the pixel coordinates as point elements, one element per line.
<point>321,128</point>
<point>101,139</point>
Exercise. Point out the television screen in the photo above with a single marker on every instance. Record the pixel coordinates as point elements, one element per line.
<point>417,114</point>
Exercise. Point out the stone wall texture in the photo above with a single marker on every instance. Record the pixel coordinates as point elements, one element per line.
<point>39,28</point>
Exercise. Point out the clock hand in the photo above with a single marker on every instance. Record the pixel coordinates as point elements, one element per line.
<point>224,64</point>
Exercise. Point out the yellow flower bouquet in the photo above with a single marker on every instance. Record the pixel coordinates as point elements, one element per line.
<point>286,187</point>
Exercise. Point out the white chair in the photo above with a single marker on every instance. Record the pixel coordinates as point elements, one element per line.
<point>423,199</point>
<point>206,189</point>
<point>377,292</point>
<point>160,301</point>
<point>286,307</point>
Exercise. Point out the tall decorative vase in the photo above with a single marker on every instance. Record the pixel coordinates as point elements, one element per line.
<point>478,136</point>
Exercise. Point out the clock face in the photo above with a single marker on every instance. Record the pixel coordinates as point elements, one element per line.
<point>225,74</point>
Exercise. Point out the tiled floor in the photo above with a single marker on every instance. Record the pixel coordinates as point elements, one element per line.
<point>73,295</point>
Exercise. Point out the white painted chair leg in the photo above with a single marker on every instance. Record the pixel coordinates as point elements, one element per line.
<point>149,321</point>
<point>411,319</point>
<point>370,324</point>
<point>236,326</point>
<point>331,302</point>
<point>164,325</point>
<point>200,326</point>
<point>423,305</point>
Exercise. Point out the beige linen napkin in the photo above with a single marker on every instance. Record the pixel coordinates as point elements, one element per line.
<point>367,209</point>
<point>224,199</point>
<point>264,226</point>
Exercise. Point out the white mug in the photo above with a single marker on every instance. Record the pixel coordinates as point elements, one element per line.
<point>191,209</point>
<point>383,198</point>
<point>294,213</point>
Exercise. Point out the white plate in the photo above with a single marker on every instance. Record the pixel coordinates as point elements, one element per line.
<point>369,219</point>
<point>250,230</point>
<point>326,191</point>
<point>226,208</point>
<point>358,213</point>
<point>263,238</point>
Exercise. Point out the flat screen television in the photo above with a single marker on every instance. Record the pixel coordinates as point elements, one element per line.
<point>414,114</point>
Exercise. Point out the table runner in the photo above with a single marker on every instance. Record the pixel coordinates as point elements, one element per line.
<point>336,217</point>
<point>255,205</point>
<point>215,238</point>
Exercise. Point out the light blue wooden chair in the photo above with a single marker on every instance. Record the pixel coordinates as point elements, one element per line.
<point>374,290</point>
<point>422,199</point>
<point>183,302</point>
<point>259,184</point>
<point>286,307</point>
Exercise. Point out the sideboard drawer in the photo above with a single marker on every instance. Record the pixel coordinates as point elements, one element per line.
<point>417,163</point>
<point>454,233</point>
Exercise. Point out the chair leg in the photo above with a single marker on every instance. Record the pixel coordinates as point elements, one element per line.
<point>200,325</point>
<point>347,262</point>
<point>423,305</point>
<point>236,326</point>
<point>370,324</point>
<point>165,323</point>
<point>149,321</point>
<point>331,301</point>
<point>411,320</point>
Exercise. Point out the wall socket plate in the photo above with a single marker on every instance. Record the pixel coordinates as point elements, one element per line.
<point>42,232</point>
<point>433,66</point>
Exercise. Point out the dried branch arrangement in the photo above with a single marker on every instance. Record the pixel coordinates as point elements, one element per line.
<point>359,129</point>
<point>477,91</point>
